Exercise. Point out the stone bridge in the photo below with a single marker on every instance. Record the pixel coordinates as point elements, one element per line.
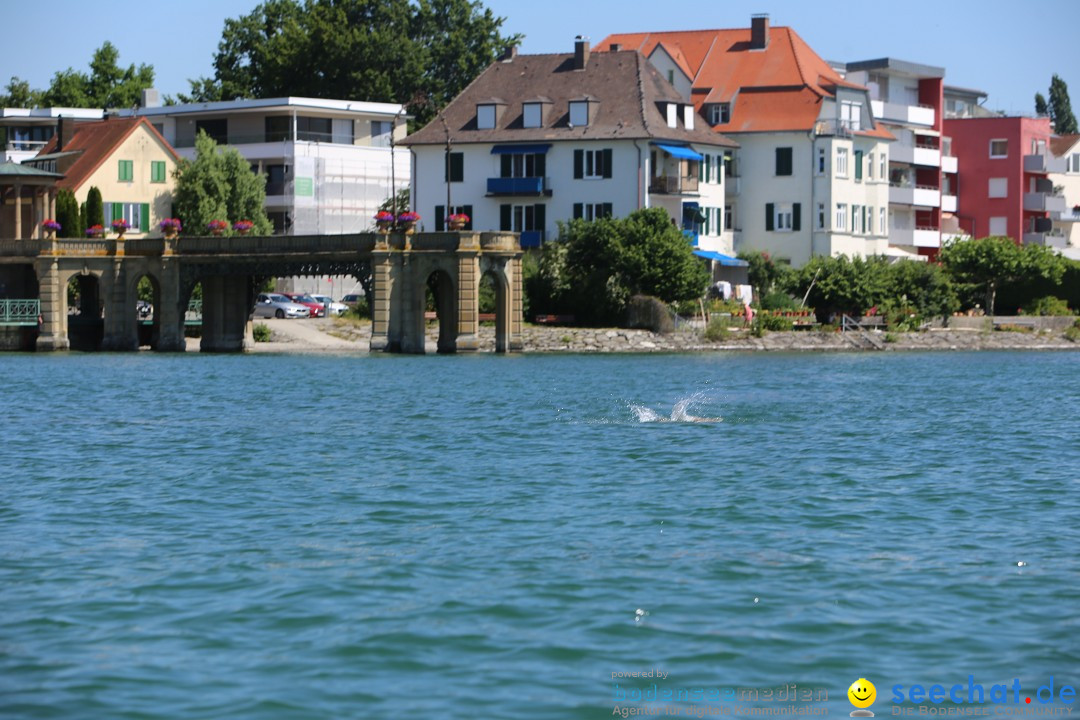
<point>231,269</point>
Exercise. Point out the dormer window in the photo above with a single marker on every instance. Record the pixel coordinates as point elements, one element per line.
<point>688,117</point>
<point>672,114</point>
<point>533,115</point>
<point>719,113</point>
<point>579,113</point>
<point>485,117</point>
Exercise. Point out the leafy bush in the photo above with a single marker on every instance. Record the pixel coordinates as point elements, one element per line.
<point>717,331</point>
<point>1073,333</point>
<point>1050,305</point>
<point>261,332</point>
<point>776,323</point>
<point>778,301</point>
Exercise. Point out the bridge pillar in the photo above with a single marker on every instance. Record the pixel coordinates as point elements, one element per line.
<point>514,341</point>
<point>385,321</point>
<point>52,333</point>
<point>468,300</point>
<point>227,303</point>
<point>121,331</point>
<point>173,308</point>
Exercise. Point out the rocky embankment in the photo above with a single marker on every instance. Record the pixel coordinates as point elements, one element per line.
<point>541,338</point>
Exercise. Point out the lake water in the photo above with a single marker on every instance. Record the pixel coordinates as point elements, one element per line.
<point>495,537</point>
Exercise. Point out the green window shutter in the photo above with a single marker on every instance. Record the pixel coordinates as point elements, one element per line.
<point>144,217</point>
<point>579,164</point>
<point>457,167</point>
<point>607,163</point>
<point>506,166</point>
<point>783,161</point>
<point>117,211</point>
<point>768,216</point>
<point>702,169</point>
<point>795,219</point>
<point>579,211</point>
<point>446,167</point>
<point>468,211</point>
<point>506,222</point>
<point>541,165</point>
<point>539,219</point>
<point>605,210</point>
<point>705,221</point>
<point>440,218</point>
<point>858,164</point>
<point>120,171</point>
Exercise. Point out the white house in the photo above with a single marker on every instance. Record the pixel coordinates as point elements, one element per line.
<point>1067,222</point>
<point>536,139</point>
<point>810,175</point>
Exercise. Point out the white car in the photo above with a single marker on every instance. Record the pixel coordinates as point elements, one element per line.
<point>279,306</point>
<point>335,308</point>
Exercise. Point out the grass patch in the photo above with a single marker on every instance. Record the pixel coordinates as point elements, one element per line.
<point>261,331</point>
<point>717,331</point>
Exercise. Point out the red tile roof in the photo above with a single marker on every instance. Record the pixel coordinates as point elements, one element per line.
<point>1061,144</point>
<point>777,88</point>
<point>95,142</point>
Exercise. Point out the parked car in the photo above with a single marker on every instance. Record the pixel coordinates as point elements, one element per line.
<point>316,307</point>
<point>279,306</point>
<point>353,298</point>
<point>336,308</point>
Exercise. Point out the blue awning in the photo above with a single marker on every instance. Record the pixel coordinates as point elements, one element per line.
<point>520,149</point>
<point>683,153</point>
<point>721,258</point>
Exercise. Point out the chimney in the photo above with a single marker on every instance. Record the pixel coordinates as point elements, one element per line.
<point>508,53</point>
<point>151,98</point>
<point>759,31</point>
<point>65,129</point>
<point>581,52</point>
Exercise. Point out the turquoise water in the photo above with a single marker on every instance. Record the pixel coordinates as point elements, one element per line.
<point>493,537</point>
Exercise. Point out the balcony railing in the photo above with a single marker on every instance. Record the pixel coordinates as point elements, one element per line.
<point>532,238</point>
<point>518,186</point>
<point>832,127</point>
<point>1044,163</point>
<point>1049,239</point>
<point>732,185</point>
<point>271,137</point>
<point>25,145</point>
<point>673,185</point>
<point>1069,215</point>
<point>19,312</point>
<point>1044,202</point>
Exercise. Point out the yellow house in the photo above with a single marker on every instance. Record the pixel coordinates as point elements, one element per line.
<point>125,158</point>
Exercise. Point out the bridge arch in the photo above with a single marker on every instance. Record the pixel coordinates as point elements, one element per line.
<point>86,292</point>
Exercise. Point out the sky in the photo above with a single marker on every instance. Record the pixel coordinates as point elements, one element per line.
<point>1007,48</point>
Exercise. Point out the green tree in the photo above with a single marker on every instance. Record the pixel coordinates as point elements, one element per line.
<point>67,214</point>
<point>765,275</point>
<point>219,185</point>
<point>1041,108</point>
<point>922,285</point>
<point>95,208</point>
<point>381,50</point>
<point>106,86</point>
<point>840,285</point>
<point>20,95</point>
<point>1060,108</point>
<point>991,262</point>
<point>657,260</point>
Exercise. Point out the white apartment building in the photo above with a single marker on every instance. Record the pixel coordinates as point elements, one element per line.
<point>25,131</point>
<point>1067,222</point>
<point>908,100</point>
<point>538,139</point>
<point>327,162</point>
<point>809,176</point>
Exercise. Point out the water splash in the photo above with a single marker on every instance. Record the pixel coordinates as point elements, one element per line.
<point>679,413</point>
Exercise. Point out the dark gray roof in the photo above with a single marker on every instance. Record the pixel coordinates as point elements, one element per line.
<point>628,91</point>
<point>902,66</point>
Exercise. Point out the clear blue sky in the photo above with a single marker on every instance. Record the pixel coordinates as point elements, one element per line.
<point>1009,48</point>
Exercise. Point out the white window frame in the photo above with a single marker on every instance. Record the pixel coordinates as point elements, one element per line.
<point>719,113</point>
<point>520,215</point>
<point>485,117</point>
<point>997,187</point>
<point>579,113</point>
<point>842,162</point>
<point>729,217</point>
<point>592,165</point>
<point>856,220</point>
<point>851,115</point>
<point>532,115</point>
<point>841,217</point>
<point>991,148</point>
<point>782,214</point>
<point>593,211</point>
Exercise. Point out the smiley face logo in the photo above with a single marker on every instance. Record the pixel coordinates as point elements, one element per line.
<point>862,694</point>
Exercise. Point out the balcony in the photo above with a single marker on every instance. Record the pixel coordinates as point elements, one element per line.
<point>1047,239</point>
<point>673,185</point>
<point>949,164</point>
<point>827,128</point>
<point>915,155</point>
<point>532,238</point>
<point>948,203</point>
<point>921,195</point>
<point>531,186</point>
<point>1044,202</point>
<point>732,186</point>
<point>917,237</point>
<point>1069,215</point>
<point>897,112</point>
<point>1045,163</point>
